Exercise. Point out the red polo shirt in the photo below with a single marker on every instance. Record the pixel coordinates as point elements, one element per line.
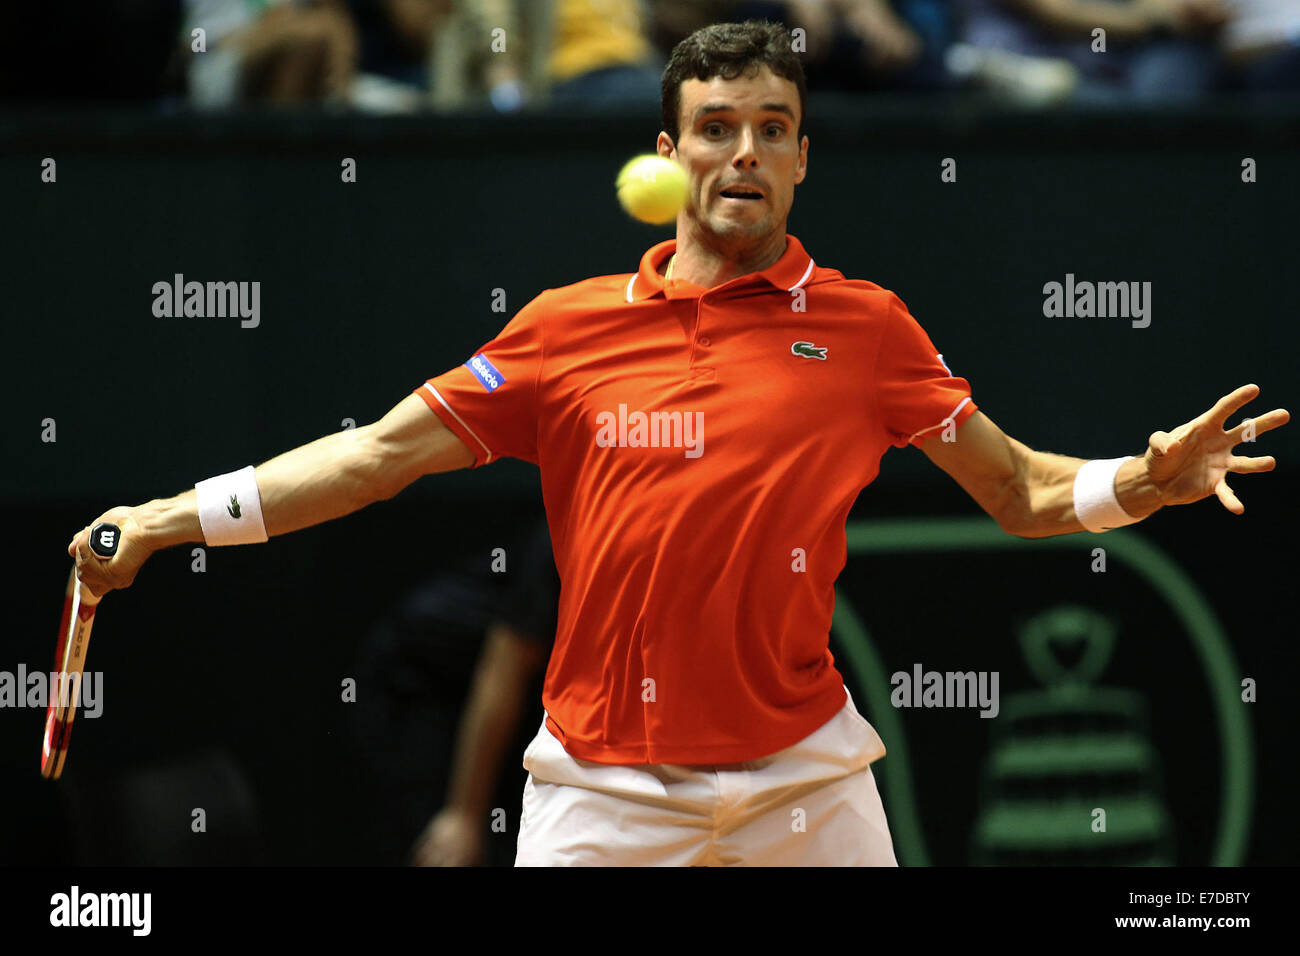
<point>699,453</point>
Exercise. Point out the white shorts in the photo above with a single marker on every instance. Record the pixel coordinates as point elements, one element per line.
<point>812,804</point>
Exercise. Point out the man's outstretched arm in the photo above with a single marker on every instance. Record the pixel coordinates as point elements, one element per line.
<point>1031,494</point>
<point>317,482</point>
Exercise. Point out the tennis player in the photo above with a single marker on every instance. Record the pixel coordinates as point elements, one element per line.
<point>702,426</point>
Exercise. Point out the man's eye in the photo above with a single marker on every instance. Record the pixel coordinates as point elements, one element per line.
<point>712,128</point>
<point>776,127</point>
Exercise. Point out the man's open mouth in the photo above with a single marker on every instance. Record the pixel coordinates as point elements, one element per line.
<point>741,192</point>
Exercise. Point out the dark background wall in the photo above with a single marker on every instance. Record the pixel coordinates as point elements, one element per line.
<point>369,288</point>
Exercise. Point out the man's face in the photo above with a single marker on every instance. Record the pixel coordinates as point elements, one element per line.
<point>739,136</point>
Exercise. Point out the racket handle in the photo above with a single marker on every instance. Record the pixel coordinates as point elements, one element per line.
<point>104,539</point>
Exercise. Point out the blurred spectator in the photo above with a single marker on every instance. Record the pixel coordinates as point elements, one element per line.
<point>567,52</point>
<point>674,20</point>
<point>601,54</point>
<point>450,697</point>
<point>1261,46</point>
<point>502,695</point>
<point>1156,50</point>
<point>489,53</point>
<point>283,52</point>
<point>857,45</point>
<point>1019,78</point>
<point>396,37</point>
<point>935,23</point>
<point>278,51</point>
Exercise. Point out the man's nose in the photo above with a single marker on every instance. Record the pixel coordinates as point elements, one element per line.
<point>745,154</point>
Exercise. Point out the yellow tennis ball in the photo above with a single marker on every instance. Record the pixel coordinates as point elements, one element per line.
<point>652,188</point>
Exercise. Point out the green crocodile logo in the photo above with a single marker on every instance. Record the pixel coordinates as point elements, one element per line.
<point>233,507</point>
<point>808,350</point>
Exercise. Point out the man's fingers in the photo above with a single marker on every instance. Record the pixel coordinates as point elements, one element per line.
<point>92,570</point>
<point>82,553</point>
<point>1225,406</point>
<point>1230,501</point>
<point>1257,426</point>
<point>1249,466</point>
<point>87,570</point>
<point>79,548</point>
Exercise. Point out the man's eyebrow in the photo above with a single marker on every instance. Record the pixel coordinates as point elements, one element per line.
<point>708,108</point>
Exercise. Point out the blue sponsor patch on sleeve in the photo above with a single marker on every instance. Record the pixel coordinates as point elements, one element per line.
<point>489,375</point>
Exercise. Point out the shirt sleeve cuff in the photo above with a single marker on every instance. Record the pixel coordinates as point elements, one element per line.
<point>438,404</point>
<point>964,410</point>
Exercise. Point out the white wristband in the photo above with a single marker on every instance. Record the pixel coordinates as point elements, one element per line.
<point>230,509</point>
<point>1095,504</point>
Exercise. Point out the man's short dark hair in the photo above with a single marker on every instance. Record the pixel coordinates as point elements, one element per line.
<point>727,50</point>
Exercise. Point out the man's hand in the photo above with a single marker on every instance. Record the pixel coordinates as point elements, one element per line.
<point>453,838</point>
<point>1193,461</point>
<point>101,575</point>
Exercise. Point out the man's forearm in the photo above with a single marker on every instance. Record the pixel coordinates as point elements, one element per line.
<point>325,479</point>
<point>1048,481</point>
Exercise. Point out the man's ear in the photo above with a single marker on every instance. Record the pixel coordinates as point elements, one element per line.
<point>801,171</point>
<point>665,146</point>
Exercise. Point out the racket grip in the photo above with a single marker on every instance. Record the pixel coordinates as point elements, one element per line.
<point>104,539</point>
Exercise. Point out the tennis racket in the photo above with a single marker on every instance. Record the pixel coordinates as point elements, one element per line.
<point>79,607</point>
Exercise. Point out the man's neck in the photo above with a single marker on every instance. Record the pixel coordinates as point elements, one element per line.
<point>707,267</point>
